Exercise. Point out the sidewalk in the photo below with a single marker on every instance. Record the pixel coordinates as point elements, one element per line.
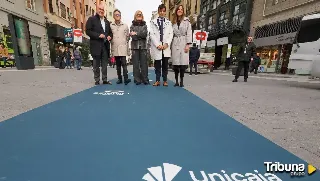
<point>272,76</point>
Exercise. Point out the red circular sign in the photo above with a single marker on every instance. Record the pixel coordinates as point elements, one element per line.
<point>201,35</point>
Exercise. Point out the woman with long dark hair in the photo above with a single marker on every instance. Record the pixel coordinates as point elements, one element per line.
<point>182,38</point>
<point>139,34</point>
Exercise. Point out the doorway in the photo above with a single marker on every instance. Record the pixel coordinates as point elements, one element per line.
<point>218,56</point>
<point>36,50</point>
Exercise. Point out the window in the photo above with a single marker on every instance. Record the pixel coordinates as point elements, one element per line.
<point>223,20</point>
<point>63,10</point>
<point>81,10</point>
<point>239,14</point>
<point>110,4</point>
<point>68,14</point>
<point>82,27</point>
<point>214,4</point>
<point>31,4</point>
<point>275,2</point>
<point>92,12</point>
<point>309,31</point>
<point>110,14</point>
<point>87,9</point>
<point>50,6</point>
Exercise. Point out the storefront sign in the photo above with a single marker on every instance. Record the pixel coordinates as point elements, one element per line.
<point>276,40</point>
<point>222,41</point>
<point>77,35</point>
<point>68,35</point>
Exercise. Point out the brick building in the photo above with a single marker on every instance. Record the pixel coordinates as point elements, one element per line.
<point>274,25</point>
<point>191,8</point>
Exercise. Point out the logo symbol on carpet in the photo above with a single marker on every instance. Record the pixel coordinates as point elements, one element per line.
<point>170,171</point>
<point>111,93</point>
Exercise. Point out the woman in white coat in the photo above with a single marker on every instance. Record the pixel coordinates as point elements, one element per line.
<point>182,38</point>
<point>161,37</point>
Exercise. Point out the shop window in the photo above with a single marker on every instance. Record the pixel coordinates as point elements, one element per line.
<point>63,10</point>
<point>31,4</point>
<point>269,56</point>
<point>309,31</point>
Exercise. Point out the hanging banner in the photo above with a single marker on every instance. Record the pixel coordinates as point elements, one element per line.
<point>77,35</point>
<point>68,35</point>
<point>229,50</point>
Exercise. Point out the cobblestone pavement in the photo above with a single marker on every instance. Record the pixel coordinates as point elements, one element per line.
<point>286,112</point>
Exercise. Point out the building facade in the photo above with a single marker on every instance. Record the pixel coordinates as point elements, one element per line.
<point>31,11</point>
<point>110,7</point>
<point>274,26</point>
<point>191,9</point>
<point>228,24</point>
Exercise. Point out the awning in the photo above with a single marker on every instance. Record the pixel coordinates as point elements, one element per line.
<point>276,40</point>
<point>282,32</point>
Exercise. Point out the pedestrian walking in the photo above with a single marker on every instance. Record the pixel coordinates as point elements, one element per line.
<point>68,55</point>
<point>255,63</point>
<point>182,39</point>
<point>161,35</point>
<point>60,57</point>
<point>119,46</point>
<point>194,56</point>
<point>78,58</point>
<point>99,31</point>
<point>139,34</point>
<point>245,56</point>
<point>4,55</point>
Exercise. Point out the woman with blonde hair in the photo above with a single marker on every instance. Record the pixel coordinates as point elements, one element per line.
<point>182,38</point>
<point>139,34</point>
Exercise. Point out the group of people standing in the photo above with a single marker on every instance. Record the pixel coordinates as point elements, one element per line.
<point>66,59</point>
<point>167,39</point>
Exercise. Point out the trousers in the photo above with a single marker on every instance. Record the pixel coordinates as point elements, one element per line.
<point>161,66</point>
<point>101,60</point>
<point>121,61</point>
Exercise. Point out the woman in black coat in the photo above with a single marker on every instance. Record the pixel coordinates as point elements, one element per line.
<point>139,34</point>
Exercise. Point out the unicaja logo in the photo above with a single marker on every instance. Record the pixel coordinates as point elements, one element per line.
<point>156,173</point>
<point>169,171</point>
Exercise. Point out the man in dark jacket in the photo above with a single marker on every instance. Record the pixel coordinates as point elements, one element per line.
<point>194,55</point>
<point>255,63</point>
<point>99,31</point>
<point>245,56</point>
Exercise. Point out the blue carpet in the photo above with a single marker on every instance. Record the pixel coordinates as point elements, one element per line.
<point>93,136</point>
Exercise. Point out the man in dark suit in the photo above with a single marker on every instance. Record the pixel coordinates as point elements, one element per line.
<point>245,56</point>
<point>99,31</point>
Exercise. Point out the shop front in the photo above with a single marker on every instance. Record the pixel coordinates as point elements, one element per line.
<point>274,44</point>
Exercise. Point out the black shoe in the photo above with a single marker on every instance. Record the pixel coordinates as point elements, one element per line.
<point>119,81</point>
<point>138,83</point>
<point>176,84</point>
<point>147,83</point>
<point>181,84</point>
<point>97,83</point>
<point>107,82</point>
<point>245,80</point>
<point>235,80</point>
<point>126,82</point>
